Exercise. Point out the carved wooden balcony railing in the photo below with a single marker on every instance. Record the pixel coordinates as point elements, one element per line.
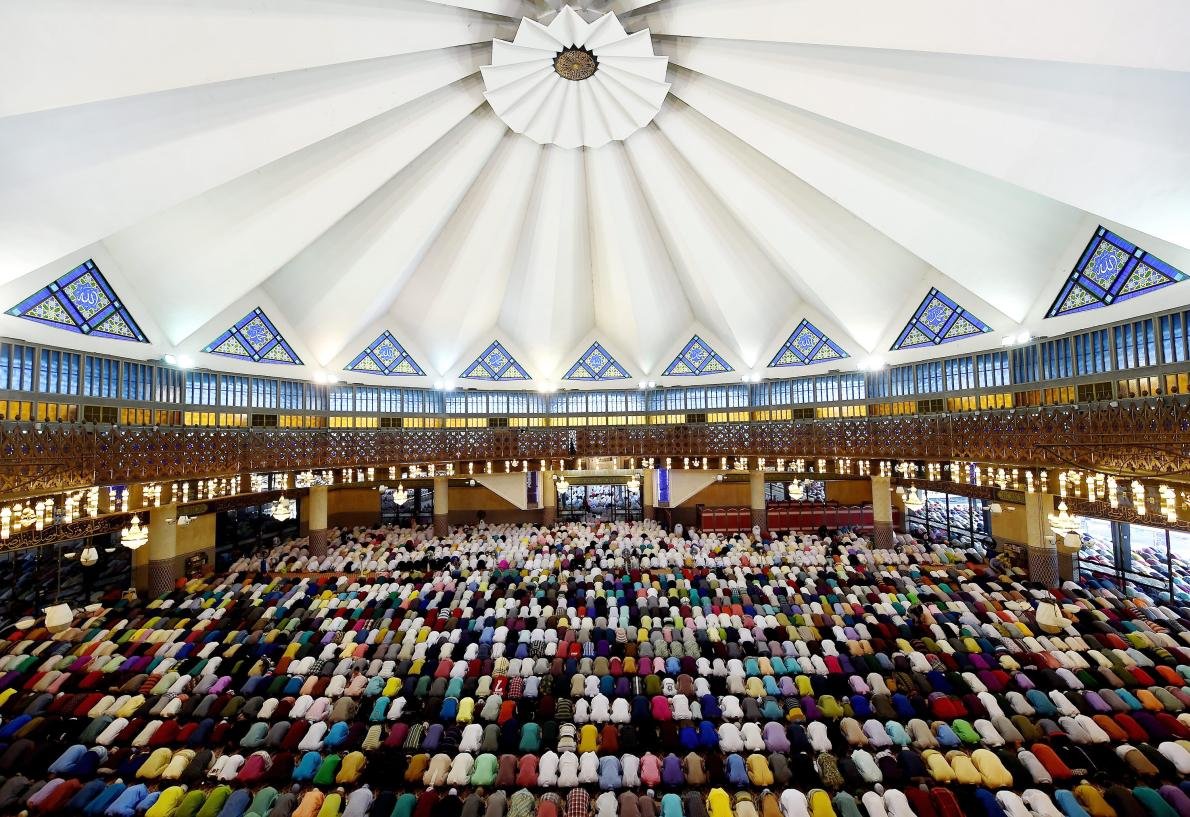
<point>1143,437</point>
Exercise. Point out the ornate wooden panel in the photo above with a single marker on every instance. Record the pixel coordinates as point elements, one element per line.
<point>1124,513</point>
<point>37,461</point>
<point>80,529</point>
<point>1142,437</point>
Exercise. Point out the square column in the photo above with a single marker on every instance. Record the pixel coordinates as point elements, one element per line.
<point>549,498</point>
<point>317,517</point>
<point>441,505</point>
<point>760,517</point>
<point>882,512</point>
<point>165,567</point>
<point>1040,547</point>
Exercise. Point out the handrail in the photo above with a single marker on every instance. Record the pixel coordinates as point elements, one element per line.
<point>1145,437</point>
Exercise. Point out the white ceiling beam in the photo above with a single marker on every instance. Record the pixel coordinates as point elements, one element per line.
<point>234,237</point>
<point>837,263</point>
<point>996,239</point>
<point>640,304</point>
<point>74,176</point>
<point>457,290</point>
<point>515,9</point>
<point>1105,140</point>
<point>549,303</point>
<point>73,52</point>
<point>1138,34</point>
<point>353,274</point>
<point>731,284</point>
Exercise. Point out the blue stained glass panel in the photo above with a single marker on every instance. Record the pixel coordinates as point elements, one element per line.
<point>495,364</point>
<point>254,337</point>
<point>384,356</point>
<point>938,320</point>
<point>596,364</point>
<point>1111,269</point>
<point>806,346</point>
<point>696,359</point>
<point>81,301</point>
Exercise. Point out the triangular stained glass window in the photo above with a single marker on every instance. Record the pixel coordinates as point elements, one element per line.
<point>697,358</point>
<point>596,364</point>
<point>81,301</point>
<point>255,338</point>
<point>1111,269</point>
<point>385,356</point>
<point>807,345</point>
<point>495,364</point>
<point>939,320</point>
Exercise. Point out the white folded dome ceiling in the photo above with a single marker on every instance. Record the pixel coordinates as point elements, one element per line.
<point>337,165</point>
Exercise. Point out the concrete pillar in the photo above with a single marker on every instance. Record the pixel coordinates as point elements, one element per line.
<point>441,505</point>
<point>648,492</point>
<point>756,499</point>
<point>882,512</point>
<point>317,516</point>
<point>1040,548</point>
<point>549,498</point>
<point>165,567</point>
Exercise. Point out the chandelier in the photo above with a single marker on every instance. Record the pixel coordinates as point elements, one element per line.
<point>1063,522</point>
<point>914,500</point>
<point>797,490</point>
<point>284,509</point>
<point>400,496</point>
<point>135,535</point>
<point>633,485</point>
<point>562,485</point>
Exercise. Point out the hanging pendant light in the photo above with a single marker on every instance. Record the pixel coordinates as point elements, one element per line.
<point>914,500</point>
<point>797,490</point>
<point>1063,522</point>
<point>284,509</point>
<point>400,496</point>
<point>89,556</point>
